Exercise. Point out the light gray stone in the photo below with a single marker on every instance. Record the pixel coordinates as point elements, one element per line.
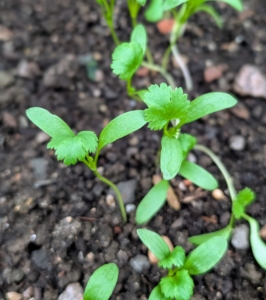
<point>237,143</point>
<point>139,263</point>
<point>240,238</point>
<point>72,291</point>
<point>250,82</point>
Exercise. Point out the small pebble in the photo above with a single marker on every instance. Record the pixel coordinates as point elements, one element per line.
<point>72,291</point>
<point>263,232</point>
<point>237,142</point>
<point>13,296</point>
<point>152,258</point>
<point>42,137</point>
<point>110,201</point>
<point>240,238</point>
<point>218,194</point>
<point>139,263</point>
<point>130,208</point>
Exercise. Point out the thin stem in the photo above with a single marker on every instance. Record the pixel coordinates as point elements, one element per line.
<point>165,58</point>
<point>149,55</point>
<point>113,186</point>
<point>164,73</point>
<point>108,12</point>
<point>183,67</point>
<point>221,167</point>
<point>118,194</point>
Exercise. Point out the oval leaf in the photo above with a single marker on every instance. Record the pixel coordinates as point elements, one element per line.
<point>121,126</point>
<point>198,175</point>
<point>236,4</point>
<point>139,35</point>
<point>206,256</point>
<point>212,12</point>
<point>171,157</point>
<point>141,2</point>
<point>157,294</point>
<point>127,58</point>
<point>152,202</point>
<point>102,283</point>
<point>154,243</point>
<point>51,124</point>
<point>154,12</point>
<point>199,239</point>
<point>170,4</point>
<point>207,104</point>
<point>257,244</point>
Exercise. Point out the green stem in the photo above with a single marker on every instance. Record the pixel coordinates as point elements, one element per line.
<point>221,167</point>
<point>164,73</point>
<point>113,186</point>
<point>118,194</point>
<point>149,55</point>
<point>108,12</point>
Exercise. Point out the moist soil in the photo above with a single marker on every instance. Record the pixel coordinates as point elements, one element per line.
<point>55,223</point>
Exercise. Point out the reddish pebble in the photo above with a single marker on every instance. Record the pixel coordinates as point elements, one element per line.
<point>166,26</point>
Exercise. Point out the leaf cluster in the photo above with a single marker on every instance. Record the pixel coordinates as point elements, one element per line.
<point>127,57</point>
<point>156,8</point>
<point>244,198</point>
<point>178,284</point>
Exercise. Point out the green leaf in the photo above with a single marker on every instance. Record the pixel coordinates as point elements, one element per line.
<point>206,256</point>
<point>187,143</point>
<point>157,294</point>
<point>212,12</point>
<point>199,239</point>
<point>175,259</point>
<point>127,58</point>
<point>164,105</point>
<point>170,4</point>
<point>73,148</point>
<point>154,243</point>
<point>245,196</point>
<point>179,286</point>
<point>152,202</point>
<point>51,124</point>
<point>121,126</point>
<point>242,200</point>
<point>69,148</point>
<point>207,104</point>
<point>139,35</point>
<point>171,157</point>
<point>141,2</point>
<point>257,244</point>
<point>102,283</point>
<point>236,4</point>
<point>154,12</point>
<point>198,175</point>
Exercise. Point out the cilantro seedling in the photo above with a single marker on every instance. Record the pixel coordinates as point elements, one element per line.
<point>102,283</point>
<point>169,110</point>
<point>107,8</point>
<point>178,284</point>
<point>72,148</point>
<point>240,201</point>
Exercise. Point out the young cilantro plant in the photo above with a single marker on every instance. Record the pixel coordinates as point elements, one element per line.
<point>178,284</point>
<point>102,283</point>
<point>168,110</point>
<point>182,10</point>
<point>240,201</point>
<point>72,148</point>
<point>107,8</point>
<point>128,57</point>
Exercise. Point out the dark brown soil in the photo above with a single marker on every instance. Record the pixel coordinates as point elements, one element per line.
<point>55,225</point>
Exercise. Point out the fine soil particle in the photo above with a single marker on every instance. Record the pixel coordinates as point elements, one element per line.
<point>56,226</point>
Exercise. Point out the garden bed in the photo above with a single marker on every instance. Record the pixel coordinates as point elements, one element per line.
<point>56,226</point>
